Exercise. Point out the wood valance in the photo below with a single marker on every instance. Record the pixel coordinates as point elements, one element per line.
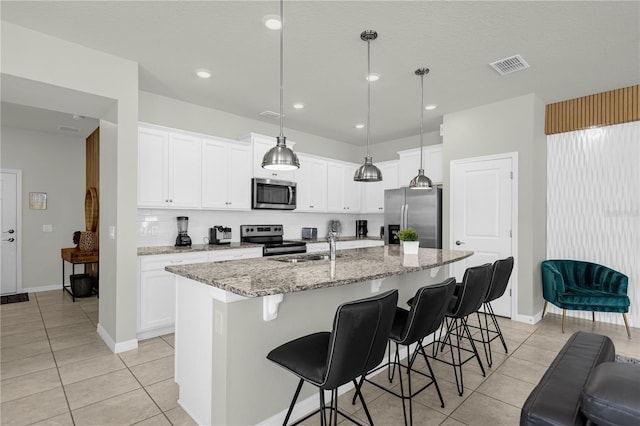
<point>602,109</point>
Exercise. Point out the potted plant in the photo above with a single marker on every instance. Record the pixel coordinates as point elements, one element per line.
<point>409,240</point>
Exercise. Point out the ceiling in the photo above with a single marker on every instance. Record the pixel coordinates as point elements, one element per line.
<point>574,49</point>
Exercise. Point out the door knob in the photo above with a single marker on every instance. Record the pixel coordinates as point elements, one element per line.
<point>10,239</point>
<point>459,243</point>
<point>10,231</point>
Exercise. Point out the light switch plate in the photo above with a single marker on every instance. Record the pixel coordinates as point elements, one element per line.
<point>47,228</point>
<point>112,232</point>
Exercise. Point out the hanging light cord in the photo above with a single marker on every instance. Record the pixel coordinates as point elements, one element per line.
<point>421,115</point>
<point>281,66</point>
<point>368,94</point>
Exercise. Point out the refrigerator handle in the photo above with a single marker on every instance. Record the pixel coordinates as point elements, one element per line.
<point>402,216</point>
<point>406,215</point>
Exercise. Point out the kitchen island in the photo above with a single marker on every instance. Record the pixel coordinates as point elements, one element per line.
<point>231,314</point>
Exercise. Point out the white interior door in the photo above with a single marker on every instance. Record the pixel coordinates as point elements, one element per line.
<point>10,253</point>
<point>482,215</point>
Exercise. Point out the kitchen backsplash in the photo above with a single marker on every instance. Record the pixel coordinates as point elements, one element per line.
<point>159,228</point>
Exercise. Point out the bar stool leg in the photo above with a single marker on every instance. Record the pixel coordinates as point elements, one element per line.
<point>433,376</point>
<point>293,402</point>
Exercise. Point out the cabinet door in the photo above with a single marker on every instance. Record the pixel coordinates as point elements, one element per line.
<point>352,196</point>
<point>184,171</point>
<point>409,165</point>
<point>215,174</point>
<point>373,197</point>
<point>260,147</point>
<point>433,163</point>
<point>335,188</point>
<point>157,299</point>
<point>311,181</point>
<point>153,163</point>
<point>239,174</point>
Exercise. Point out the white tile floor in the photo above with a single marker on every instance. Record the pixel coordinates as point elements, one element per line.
<point>56,370</point>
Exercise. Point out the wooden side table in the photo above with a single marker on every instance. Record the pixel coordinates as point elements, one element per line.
<point>75,257</point>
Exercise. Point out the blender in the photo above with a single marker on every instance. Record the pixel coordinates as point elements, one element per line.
<point>183,240</point>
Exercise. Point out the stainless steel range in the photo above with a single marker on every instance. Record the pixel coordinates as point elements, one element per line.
<point>271,237</point>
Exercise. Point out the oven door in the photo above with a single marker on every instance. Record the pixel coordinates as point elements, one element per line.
<point>273,194</point>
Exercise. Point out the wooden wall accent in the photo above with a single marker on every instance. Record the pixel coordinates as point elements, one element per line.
<point>92,168</point>
<point>602,109</point>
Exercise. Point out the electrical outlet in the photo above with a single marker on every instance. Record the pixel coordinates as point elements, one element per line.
<point>112,232</point>
<point>47,228</point>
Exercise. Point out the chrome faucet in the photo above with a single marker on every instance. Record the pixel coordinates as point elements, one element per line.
<point>331,236</point>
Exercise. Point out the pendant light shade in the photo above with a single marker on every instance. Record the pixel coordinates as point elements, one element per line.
<point>368,172</point>
<point>280,157</point>
<point>421,181</point>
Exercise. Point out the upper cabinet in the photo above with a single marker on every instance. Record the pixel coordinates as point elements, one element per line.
<point>168,169</point>
<point>373,192</point>
<point>432,163</point>
<point>260,145</point>
<point>311,179</point>
<point>343,193</point>
<point>226,174</point>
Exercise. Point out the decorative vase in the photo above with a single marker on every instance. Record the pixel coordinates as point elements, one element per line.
<point>87,241</point>
<point>410,247</point>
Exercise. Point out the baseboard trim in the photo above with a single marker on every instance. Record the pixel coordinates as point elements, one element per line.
<point>528,318</point>
<point>41,289</point>
<point>143,335</point>
<point>116,347</point>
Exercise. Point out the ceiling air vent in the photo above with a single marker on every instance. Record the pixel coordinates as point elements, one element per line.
<point>68,129</point>
<point>509,65</point>
<point>270,114</point>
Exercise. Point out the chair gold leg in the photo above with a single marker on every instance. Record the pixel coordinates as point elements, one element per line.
<point>593,316</point>
<point>626,324</point>
<point>544,308</point>
<point>564,317</point>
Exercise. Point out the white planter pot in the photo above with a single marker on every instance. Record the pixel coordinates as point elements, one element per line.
<point>410,247</point>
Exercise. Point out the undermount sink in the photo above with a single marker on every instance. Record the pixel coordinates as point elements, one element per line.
<point>300,259</point>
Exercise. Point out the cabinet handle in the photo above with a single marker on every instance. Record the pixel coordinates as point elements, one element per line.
<point>310,207</point>
<point>171,201</point>
<point>176,261</point>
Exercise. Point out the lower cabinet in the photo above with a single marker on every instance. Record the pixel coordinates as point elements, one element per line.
<point>156,287</point>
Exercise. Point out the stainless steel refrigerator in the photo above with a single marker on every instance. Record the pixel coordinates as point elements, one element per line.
<point>414,208</point>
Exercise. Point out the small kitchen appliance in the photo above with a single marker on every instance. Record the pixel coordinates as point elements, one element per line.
<point>183,240</point>
<point>361,229</point>
<point>219,235</point>
<point>271,238</point>
<point>309,233</point>
<point>335,226</point>
<point>273,194</point>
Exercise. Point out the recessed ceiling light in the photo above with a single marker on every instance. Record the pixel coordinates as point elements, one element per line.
<point>203,73</point>
<point>431,107</point>
<point>298,105</point>
<point>372,77</point>
<point>78,117</point>
<point>359,126</point>
<point>272,22</point>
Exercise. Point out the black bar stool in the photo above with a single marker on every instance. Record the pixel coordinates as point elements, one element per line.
<point>330,359</point>
<point>468,298</point>
<point>499,280</point>
<point>424,318</point>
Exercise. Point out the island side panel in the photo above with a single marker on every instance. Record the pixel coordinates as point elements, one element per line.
<point>258,389</point>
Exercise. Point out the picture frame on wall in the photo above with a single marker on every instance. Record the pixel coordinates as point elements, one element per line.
<point>38,200</point>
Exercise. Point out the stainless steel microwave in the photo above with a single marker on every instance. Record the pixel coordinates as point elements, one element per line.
<point>273,194</point>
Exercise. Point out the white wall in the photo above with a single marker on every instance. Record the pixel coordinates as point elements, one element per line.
<point>512,125</point>
<point>593,203</point>
<point>164,111</point>
<point>79,74</point>
<point>159,227</point>
<point>54,164</point>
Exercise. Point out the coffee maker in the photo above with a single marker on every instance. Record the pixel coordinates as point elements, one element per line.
<point>361,229</point>
<point>183,240</point>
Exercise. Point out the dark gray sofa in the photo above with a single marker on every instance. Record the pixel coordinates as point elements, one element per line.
<point>584,386</point>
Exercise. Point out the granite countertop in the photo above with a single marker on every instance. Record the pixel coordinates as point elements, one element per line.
<point>266,276</point>
<point>195,248</point>
<point>324,239</point>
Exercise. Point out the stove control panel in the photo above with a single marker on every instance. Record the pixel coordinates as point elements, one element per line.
<point>261,230</point>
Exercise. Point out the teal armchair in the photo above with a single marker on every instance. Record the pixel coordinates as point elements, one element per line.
<point>584,286</point>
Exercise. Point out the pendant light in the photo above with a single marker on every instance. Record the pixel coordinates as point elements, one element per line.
<point>280,157</point>
<point>421,181</point>
<point>368,172</point>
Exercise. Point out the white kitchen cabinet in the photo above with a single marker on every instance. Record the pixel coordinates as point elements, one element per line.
<point>156,292</point>
<point>260,144</point>
<point>226,174</point>
<point>432,162</point>
<point>343,193</point>
<point>373,194</point>
<point>156,287</point>
<point>168,169</point>
<point>311,181</point>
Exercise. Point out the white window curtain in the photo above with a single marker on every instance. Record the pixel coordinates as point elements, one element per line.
<point>593,204</point>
